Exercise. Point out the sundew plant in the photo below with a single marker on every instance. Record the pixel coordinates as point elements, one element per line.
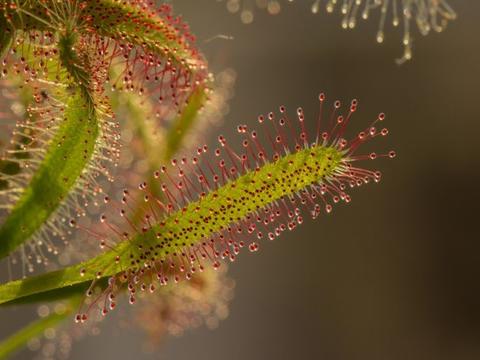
<point>81,230</point>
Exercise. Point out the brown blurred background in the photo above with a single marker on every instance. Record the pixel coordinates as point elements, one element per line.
<point>396,273</point>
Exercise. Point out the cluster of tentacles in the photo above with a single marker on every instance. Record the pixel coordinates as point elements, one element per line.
<point>220,201</point>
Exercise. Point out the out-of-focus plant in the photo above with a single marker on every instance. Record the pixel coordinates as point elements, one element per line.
<point>425,15</point>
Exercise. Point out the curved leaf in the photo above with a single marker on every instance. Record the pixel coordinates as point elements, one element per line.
<point>67,156</point>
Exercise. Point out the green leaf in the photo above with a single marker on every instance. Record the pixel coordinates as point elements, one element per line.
<point>120,20</point>
<point>67,156</point>
<point>293,172</point>
<point>19,339</point>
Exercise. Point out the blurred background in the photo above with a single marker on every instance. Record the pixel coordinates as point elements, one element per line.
<point>393,275</point>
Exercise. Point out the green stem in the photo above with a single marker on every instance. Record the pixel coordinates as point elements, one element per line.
<point>184,122</point>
